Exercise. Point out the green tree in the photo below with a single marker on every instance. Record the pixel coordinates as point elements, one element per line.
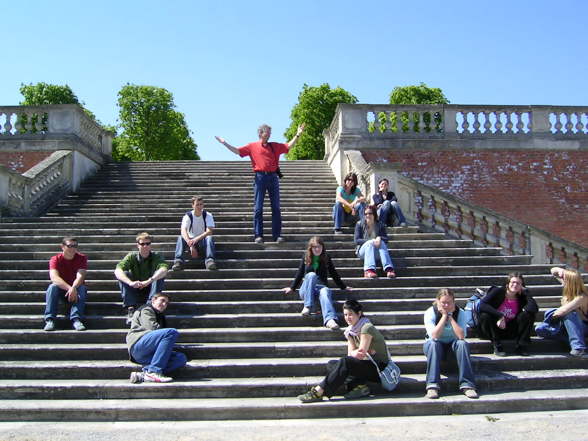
<point>315,109</point>
<point>41,94</point>
<point>151,129</point>
<point>421,94</point>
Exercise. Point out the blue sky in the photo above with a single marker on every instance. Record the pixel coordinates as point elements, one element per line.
<point>233,65</point>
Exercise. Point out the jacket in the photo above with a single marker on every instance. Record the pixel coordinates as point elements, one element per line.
<point>359,236</point>
<point>496,295</point>
<point>322,273</point>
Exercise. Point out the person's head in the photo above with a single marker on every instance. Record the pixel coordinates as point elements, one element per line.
<point>352,311</point>
<point>573,285</point>
<point>160,301</point>
<point>383,185</point>
<point>264,132</point>
<point>445,299</point>
<point>69,247</point>
<point>371,214</point>
<point>515,282</point>
<point>144,241</point>
<point>198,204</point>
<point>316,246</point>
<point>350,182</point>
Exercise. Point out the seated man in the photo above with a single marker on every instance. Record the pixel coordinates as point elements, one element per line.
<point>151,343</point>
<point>67,272</point>
<point>140,275</point>
<point>196,235</point>
<point>386,202</point>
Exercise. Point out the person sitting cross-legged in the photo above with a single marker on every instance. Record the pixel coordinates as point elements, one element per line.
<point>387,204</point>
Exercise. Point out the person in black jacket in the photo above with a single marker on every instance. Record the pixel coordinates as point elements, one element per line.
<point>387,204</point>
<point>315,267</point>
<point>508,312</point>
<point>371,240</point>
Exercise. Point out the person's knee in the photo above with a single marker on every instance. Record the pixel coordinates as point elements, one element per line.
<point>310,276</point>
<point>325,293</point>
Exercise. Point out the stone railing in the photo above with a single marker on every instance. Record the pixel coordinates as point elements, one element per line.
<point>32,192</point>
<point>33,123</point>
<point>439,211</point>
<point>456,126</point>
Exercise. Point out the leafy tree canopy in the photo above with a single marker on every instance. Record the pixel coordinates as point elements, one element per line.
<point>41,94</point>
<point>315,108</point>
<point>151,129</point>
<point>421,94</point>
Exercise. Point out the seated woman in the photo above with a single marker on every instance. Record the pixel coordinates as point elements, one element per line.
<point>315,267</point>
<point>446,328</point>
<point>362,339</point>
<point>349,203</point>
<point>573,312</point>
<point>508,312</point>
<point>371,240</point>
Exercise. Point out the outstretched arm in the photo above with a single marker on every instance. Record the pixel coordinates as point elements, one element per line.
<point>299,131</point>
<point>235,150</point>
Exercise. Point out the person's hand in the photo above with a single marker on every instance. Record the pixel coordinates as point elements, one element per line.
<point>72,295</point>
<point>501,323</point>
<point>300,129</point>
<point>221,140</point>
<point>377,242</point>
<point>360,354</point>
<point>136,284</point>
<point>441,309</point>
<point>288,290</point>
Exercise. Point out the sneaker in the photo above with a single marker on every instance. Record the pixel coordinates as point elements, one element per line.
<point>130,312</point>
<point>432,394</point>
<point>339,231</point>
<point>470,393</point>
<point>258,240</point>
<point>210,264</point>
<point>305,311</point>
<point>49,325</point>
<point>577,352</point>
<point>78,325</point>
<point>370,274</point>
<point>390,273</point>
<point>522,351</point>
<point>357,392</point>
<point>403,224</point>
<point>280,240</point>
<point>498,351</point>
<point>310,397</point>
<point>154,377</point>
<point>332,324</point>
<point>137,377</point>
<point>177,266</point>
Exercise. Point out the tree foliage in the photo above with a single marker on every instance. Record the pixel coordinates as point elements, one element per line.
<point>151,128</point>
<point>41,94</point>
<point>315,108</point>
<point>421,94</point>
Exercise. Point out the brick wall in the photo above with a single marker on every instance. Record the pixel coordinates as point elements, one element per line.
<point>22,161</point>
<point>546,189</point>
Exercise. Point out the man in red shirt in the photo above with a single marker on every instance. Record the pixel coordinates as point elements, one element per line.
<point>67,272</point>
<point>265,157</point>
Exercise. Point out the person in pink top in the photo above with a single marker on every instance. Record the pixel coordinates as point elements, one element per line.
<point>67,272</point>
<point>265,157</point>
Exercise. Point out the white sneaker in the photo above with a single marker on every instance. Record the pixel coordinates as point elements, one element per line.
<point>137,377</point>
<point>332,324</point>
<point>305,311</point>
<point>154,377</point>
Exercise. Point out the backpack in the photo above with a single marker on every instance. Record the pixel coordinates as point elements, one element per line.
<point>472,308</point>
<point>191,217</point>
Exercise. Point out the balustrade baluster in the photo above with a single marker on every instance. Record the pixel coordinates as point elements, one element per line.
<point>569,125</point>
<point>496,231</point>
<point>523,242</point>
<point>465,124</point>
<point>579,125</point>
<point>510,240</point>
<point>549,252</point>
<point>487,123</point>
<point>563,255</point>
<point>8,126</point>
<point>498,124</point>
<point>446,213</point>
<point>558,125</point>
<point>519,125</point>
<point>471,221</point>
<point>484,231</point>
<point>476,125</point>
<point>575,261</point>
<point>459,221</point>
<point>509,124</point>
<point>418,200</point>
<point>433,210</point>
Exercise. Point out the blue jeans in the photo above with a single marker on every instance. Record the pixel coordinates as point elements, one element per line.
<point>310,289</point>
<point>52,296</point>
<point>574,331</point>
<point>154,351</point>
<point>267,183</point>
<point>385,213</point>
<point>372,255</point>
<point>205,247</point>
<point>437,351</point>
<point>340,216</point>
<point>133,296</point>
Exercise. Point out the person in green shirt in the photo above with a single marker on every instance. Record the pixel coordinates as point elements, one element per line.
<point>140,275</point>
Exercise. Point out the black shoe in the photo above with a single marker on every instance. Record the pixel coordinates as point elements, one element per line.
<point>522,351</point>
<point>499,351</point>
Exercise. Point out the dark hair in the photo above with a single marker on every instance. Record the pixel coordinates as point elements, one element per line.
<point>197,199</point>
<point>516,274</point>
<point>374,210</point>
<point>382,180</point>
<point>160,294</point>
<point>68,239</point>
<point>352,176</point>
<point>353,305</point>
<point>315,240</point>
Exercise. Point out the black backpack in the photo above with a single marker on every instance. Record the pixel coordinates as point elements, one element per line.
<point>191,216</point>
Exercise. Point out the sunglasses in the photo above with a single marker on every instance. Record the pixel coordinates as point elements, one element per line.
<point>144,244</point>
<point>71,245</point>
<point>369,212</point>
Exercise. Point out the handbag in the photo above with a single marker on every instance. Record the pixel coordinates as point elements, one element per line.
<point>389,376</point>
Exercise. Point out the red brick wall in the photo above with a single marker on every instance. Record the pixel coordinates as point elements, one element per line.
<point>22,161</point>
<point>546,189</point>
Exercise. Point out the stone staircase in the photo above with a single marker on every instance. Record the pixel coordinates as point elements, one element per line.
<point>251,352</point>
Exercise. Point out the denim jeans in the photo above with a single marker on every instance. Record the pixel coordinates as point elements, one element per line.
<point>385,213</point>
<point>134,297</point>
<point>340,216</point>
<point>437,351</point>
<point>154,351</point>
<point>267,183</point>
<point>205,248</point>
<point>372,255</point>
<point>573,331</point>
<point>310,289</point>
<point>52,296</point>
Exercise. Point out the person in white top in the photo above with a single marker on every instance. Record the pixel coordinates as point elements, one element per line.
<point>196,236</point>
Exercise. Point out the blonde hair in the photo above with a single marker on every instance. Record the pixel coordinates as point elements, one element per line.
<point>573,285</point>
<point>144,236</point>
<point>444,292</point>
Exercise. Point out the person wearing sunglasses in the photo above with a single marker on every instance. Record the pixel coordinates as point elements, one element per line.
<point>67,272</point>
<point>371,240</point>
<point>140,275</point>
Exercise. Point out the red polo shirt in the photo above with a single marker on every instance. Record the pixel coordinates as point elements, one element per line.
<point>264,159</point>
<point>68,269</point>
